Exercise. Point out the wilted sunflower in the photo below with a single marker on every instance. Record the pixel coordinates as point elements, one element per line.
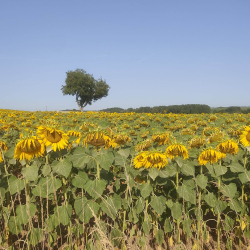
<point>52,136</point>
<point>76,134</point>
<point>215,137</point>
<point>98,139</point>
<point>1,159</point>
<point>121,139</point>
<point>154,159</point>
<point>197,142</point>
<point>245,137</point>
<point>187,131</point>
<point>229,147</point>
<point>162,138</point>
<point>210,155</point>
<point>27,149</point>
<point>3,146</point>
<point>176,150</point>
<point>142,146</point>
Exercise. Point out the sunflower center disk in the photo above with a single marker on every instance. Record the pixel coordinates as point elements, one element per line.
<point>53,137</point>
<point>248,136</point>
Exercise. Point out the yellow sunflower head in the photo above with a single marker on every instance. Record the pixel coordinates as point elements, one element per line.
<point>52,136</point>
<point>176,150</point>
<point>121,139</point>
<point>215,137</point>
<point>161,138</point>
<point>98,139</point>
<point>229,147</point>
<point>245,137</point>
<point>143,146</point>
<point>27,149</point>
<point>210,155</point>
<point>3,146</point>
<point>147,159</point>
<point>197,142</point>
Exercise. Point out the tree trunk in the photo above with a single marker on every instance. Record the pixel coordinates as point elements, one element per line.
<point>80,107</point>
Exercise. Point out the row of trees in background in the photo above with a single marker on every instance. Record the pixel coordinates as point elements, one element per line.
<point>177,109</point>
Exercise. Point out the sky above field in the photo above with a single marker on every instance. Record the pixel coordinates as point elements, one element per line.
<point>150,53</point>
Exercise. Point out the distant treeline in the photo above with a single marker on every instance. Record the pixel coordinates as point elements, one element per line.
<point>232,109</point>
<point>177,109</point>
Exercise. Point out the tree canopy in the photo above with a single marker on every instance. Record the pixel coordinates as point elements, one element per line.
<point>85,87</point>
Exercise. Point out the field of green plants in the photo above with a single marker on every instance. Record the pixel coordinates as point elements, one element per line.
<point>95,180</point>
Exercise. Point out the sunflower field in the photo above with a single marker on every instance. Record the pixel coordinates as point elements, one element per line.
<point>96,180</point>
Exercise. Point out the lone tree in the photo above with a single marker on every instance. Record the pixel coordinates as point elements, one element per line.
<point>84,87</point>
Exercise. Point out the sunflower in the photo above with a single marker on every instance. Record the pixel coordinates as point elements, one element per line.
<point>52,136</point>
<point>197,142</point>
<point>245,137</point>
<point>154,159</point>
<point>1,159</point>
<point>121,139</point>
<point>215,137</point>
<point>187,131</point>
<point>162,139</point>
<point>229,147</point>
<point>76,134</point>
<point>29,148</point>
<point>98,139</point>
<point>176,150</point>
<point>210,155</point>
<point>3,146</point>
<point>142,146</point>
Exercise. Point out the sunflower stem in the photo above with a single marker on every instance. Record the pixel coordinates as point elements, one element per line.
<point>218,218</point>
<point>178,220</point>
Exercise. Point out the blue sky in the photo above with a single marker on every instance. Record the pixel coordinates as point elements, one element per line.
<point>150,53</point>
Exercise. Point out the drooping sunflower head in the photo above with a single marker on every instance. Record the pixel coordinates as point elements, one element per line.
<point>143,146</point>
<point>121,139</point>
<point>28,148</point>
<point>52,136</point>
<point>98,139</point>
<point>197,142</point>
<point>153,159</point>
<point>216,137</point>
<point>3,146</point>
<point>229,147</point>
<point>245,137</point>
<point>210,155</point>
<point>76,134</point>
<point>161,138</point>
<point>187,131</point>
<point>176,150</point>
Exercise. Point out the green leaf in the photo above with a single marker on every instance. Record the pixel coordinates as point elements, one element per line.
<point>139,205</point>
<point>65,212</point>
<point>16,185</point>
<point>220,206</point>
<point>168,226</point>
<point>159,236</point>
<point>235,205</point>
<point>201,181</point>
<point>25,213</point>
<point>85,209</point>
<point>170,169</point>
<point>46,169</point>
<point>62,167</point>
<point>236,168</point>
<point>187,193</point>
<point>229,222</point>
<point>52,222</point>
<point>158,204</point>
<point>105,159</point>
<point>244,177</point>
<point>219,170</point>
<point>146,226</point>
<point>79,158</point>
<point>46,186</point>
<point>153,173</point>
<point>229,190</point>
<point>35,235</point>
<point>14,225</point>
<point>80,179</point>
<point>9,154</point>
<point>176,211</point>
<point>188,169</point>
<point>30,172</point>
<point>210,199</point>
<point>116,236</point>
<point>111,205</point>
<point>187,227</point>
<point>146,190</point>
<point>121,157</point>
<point>95,188</point>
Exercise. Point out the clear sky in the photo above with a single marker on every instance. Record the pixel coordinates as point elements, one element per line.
<point>150,53</point>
